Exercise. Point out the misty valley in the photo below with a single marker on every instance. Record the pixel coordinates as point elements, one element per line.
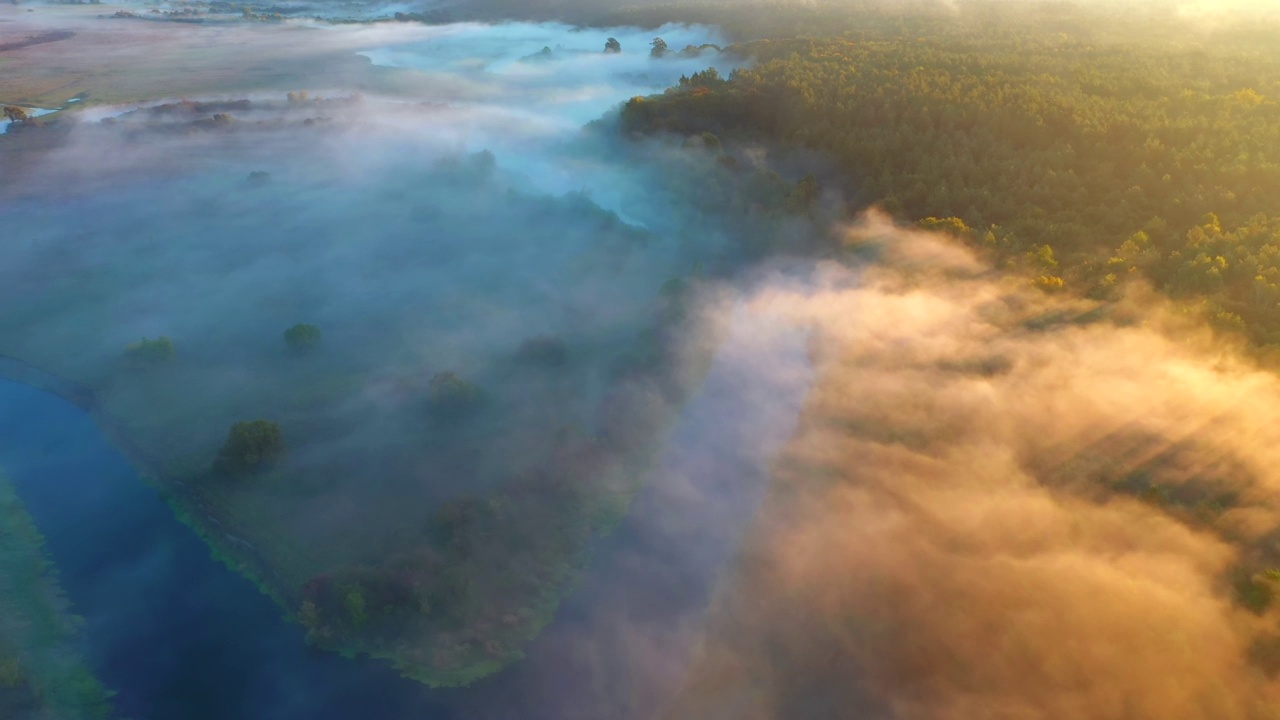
<point>442,376</point>
<point>856,359</point>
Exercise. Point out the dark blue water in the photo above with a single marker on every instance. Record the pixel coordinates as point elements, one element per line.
<point>176,634</point>
<point>181,637</point>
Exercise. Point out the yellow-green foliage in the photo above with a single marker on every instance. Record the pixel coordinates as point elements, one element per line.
<point>150,353</point>
<point>354,602</point>
<point>11,674</point>
<point>1082,146</point>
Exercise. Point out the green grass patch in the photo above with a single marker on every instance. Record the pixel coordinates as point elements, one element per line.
<point>42,674</point>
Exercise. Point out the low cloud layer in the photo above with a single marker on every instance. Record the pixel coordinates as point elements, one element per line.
<point>456,228</point>
<point>1002,504</point>
<point>434,227</point>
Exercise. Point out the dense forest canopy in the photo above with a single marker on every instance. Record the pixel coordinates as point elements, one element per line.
<point>1084,146</point>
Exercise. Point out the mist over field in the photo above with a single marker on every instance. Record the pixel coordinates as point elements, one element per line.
<point>485,275</point>
<point>1002,504</point>
<point>421,234</point>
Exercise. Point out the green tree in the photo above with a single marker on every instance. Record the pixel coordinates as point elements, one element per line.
<point>658,47</point>
<point>354,602</point>
<point>449,394</point>
<point>804,195</point>
<point>302,337</point>
<point>612,46</point>
<point>545,350</point>
<point>148,353</point>
<point>250,446</point>
<point>309,615</point>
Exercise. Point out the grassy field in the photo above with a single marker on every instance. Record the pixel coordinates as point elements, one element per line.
<point>110,60</point>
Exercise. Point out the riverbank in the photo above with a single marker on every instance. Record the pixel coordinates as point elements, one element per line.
<point>43,674</point>
<point>439,533</point>
<point>182,637</point>
<point>680,351</point>
<point>235,554</point>
<point>166,626</point>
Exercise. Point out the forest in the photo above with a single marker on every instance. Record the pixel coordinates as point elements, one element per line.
<point>1083,147</point>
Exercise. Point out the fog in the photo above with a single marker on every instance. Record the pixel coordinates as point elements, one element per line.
<point>438,207</point>
<point>441,209</point>
<point>1002,503</point>
<point>421,233</point>
<point>622,643</point>
<point>997,502</point>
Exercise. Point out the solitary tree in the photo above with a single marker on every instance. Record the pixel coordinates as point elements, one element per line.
<point>302,337</point>
<point>612,45</point>
<point>250,447</point>
<point>147,353</point>
<point>659,47</point>
<point>15,114</point>
<point>545,350</point>
<point>449,394</point>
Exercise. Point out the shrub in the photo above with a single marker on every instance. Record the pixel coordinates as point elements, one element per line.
<point>11,674</point>
<point>354,602</point>
<point>451,395</point>
<point>309,615</point>
<point>1254,593</point>
<point>1050,283</point>
<point>150,353</point>
<point>544,350</point>
<point>302,337</point>
<point>355,596</point>
<point>250,446</point>
<point>1264,653</point>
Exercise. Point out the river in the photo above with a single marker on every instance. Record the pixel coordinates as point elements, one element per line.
<point>179,635</point>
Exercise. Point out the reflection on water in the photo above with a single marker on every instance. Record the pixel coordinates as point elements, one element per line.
<point>32,112</point>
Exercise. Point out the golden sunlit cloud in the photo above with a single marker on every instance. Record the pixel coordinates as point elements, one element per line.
<point>1004,504</point>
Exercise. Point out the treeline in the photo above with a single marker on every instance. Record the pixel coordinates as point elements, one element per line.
<point>1071,155</point>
